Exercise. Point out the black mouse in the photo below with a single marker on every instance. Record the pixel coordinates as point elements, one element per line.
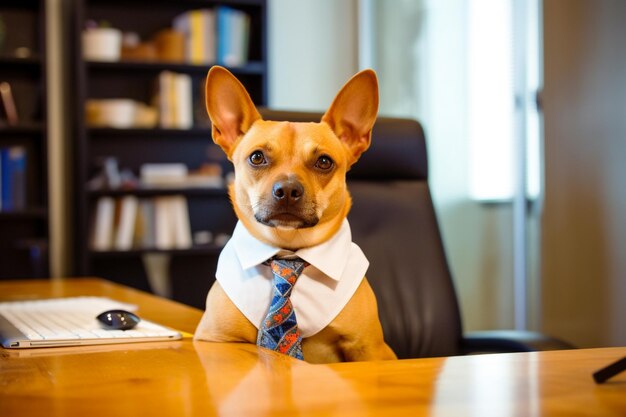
<point>118,319</point>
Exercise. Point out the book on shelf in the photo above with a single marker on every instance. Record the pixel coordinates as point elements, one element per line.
<point>131,223</point>
<point>177,175</point>
<point>220,35</point>
<point>181,224</point>
<point>233,34</point>
<point>12,178</point>
<point>172,226</point>
<point>126,227</point>
<point>102,239</point>
<point>175,100</point>
<point>163,226</point>
<point>199,31</point>
<point>184,109</point>
<point>8,104</point>
<point>163,174</point>
<point>145,234</point>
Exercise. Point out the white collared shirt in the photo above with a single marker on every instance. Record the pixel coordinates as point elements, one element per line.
<point>336,269</point>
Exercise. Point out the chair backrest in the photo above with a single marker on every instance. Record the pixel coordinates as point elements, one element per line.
<point>393,221</point>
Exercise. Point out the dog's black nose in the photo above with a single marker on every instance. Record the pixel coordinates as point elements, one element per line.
<point>288,191</point>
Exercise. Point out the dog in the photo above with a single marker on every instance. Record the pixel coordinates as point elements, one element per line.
<point>290,197</point>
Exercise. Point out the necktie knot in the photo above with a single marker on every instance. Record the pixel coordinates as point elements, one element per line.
<point>287,269</point>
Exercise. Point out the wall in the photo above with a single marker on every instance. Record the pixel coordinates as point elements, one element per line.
<point>312,51</point>
<point>584,224</point>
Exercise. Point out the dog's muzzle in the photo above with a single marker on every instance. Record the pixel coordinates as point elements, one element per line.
<point>287,206</point>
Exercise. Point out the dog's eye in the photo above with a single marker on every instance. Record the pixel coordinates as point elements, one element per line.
<point>257,158</point>
<point>324,163</point>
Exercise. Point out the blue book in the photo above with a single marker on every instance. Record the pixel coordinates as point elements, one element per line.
<point>13,162</point>
<point>223,21</point>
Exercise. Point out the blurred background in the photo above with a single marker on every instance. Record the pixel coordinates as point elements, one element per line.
<point>523,103</point>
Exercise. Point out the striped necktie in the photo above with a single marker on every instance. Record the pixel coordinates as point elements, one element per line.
<point>279,330</point>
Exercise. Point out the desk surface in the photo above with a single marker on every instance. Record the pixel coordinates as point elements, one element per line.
<point>187,378</point>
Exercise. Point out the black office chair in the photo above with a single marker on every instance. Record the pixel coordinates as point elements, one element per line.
<point>393,220</point>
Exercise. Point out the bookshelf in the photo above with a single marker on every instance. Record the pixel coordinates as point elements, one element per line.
<point>192,269</point>
<point>24,220</point>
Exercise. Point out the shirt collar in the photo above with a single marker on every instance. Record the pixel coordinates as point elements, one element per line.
<point>329,257</point>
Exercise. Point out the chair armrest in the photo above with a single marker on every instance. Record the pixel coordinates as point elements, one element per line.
<point>502,341</point>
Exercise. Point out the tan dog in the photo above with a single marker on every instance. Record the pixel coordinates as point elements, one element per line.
<point>290,192</point>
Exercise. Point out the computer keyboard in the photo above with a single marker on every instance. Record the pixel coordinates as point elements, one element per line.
<point>66,319</point>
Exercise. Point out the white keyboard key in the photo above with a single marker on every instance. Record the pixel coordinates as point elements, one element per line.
<point>86,334</point>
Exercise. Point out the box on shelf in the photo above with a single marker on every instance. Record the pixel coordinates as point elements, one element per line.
<point>102,44</point>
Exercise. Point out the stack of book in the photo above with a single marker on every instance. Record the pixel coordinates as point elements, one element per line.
<point>12,178</point>
<point>148,223</point>
<point>219,35</point>
<point>175,100</point>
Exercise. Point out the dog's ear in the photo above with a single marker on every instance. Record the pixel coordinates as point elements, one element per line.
<point>230,108</point>
<point>353,112</point>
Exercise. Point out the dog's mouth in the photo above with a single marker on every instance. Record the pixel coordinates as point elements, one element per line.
<point>286,219</point>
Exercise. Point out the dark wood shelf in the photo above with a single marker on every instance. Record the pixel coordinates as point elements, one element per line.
<point>24,22</point>
<point>179,3</point>
<point>23,129</point>
<point>20,4</point>
<point>155,192</point>
<point>251,68</point>
<point>13,61</point>
<point>208,208</point>
<point>106,132</point>
<point>132,253</point>
<point>37,213</point>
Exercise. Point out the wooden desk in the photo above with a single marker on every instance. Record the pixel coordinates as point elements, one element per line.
<point>186,378</point>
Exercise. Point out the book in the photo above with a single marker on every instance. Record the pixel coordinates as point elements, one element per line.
<point>181,24</point>
<point>175,100</point>
<point>239,35</point>
<point>104,222</point>
<point>166,111</point>
<point>233,33</point>
<point>13,178</point>
<point>198,29</point>
<point>164,226</point>
<point>146,237</point>
<point>126,224</point>
<point>197,38</point>
<point>163,174</point>
<point>184,103</point>
<point>223,33</point>
<point>181,224</point>
<point>8,103</point>
<point>208,16</point>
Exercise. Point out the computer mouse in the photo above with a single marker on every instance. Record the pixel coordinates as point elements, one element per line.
<point>118,319</point>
